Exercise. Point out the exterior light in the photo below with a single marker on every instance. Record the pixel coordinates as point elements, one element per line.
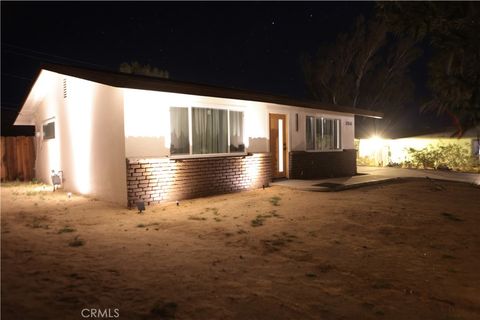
<point>140,206</point>
<point>56,179</point>
<point>372,147</point>
<point>376,138</point>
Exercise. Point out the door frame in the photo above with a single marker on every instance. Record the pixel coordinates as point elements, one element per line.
<point>286,137</point>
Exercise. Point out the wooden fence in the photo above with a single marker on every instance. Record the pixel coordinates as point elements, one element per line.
<point>18,158</point>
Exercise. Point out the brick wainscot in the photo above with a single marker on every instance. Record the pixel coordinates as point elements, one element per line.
<point>315,165</point>
<point>168,179</point>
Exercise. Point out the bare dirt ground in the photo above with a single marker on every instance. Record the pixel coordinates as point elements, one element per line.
<point>407,250</point>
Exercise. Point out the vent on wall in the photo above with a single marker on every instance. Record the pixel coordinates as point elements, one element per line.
<point>65,88</point>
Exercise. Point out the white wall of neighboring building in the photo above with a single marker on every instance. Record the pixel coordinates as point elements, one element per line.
<point>89,145</point>
<point>147,121</point>
<point>385,151</point>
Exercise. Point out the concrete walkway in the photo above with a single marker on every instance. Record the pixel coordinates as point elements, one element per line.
<point>374,175</point>
<point>416,173</point>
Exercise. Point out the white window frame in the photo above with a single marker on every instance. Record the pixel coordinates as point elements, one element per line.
<point>46,123</point>
<point>315,118</point>
<point>190,133</point>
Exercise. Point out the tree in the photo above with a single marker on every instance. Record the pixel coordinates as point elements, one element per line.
<point>145,70</point>
<point>452,30</point>
<point>367,68</point>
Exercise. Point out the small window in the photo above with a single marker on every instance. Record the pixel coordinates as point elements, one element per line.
<point>318,134</point>
<point>49,131</point>
<point>310,125</point>
<point>236,132</point>
<point>179,140</point>
<point>322,134</point>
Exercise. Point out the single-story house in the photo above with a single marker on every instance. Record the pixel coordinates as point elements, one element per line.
<point>122,137</point>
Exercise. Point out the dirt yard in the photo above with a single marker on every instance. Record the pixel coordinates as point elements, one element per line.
<point>405,250</point>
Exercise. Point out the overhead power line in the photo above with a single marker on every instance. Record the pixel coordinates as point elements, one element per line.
<point>15,76</point>
<point>9,109</point>
<point>14,49</point>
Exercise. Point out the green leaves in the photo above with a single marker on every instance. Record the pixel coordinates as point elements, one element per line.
<point>145,70</point>
<point>452,30</point>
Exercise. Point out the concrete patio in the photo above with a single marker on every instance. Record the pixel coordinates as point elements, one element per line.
<point>417,173</point>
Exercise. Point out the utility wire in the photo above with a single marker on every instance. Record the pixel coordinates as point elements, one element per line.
<point>9,109</point>
<point>15,76</point>
<point>38,53</point>
<point>31,57</point>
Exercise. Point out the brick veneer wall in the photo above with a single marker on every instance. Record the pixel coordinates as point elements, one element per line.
<point>165,179</point>
<point>313,165</point>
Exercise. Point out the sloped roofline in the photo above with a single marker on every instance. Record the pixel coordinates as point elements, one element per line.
<point>123,80</point>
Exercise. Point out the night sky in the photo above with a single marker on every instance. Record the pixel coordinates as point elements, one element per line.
<point>248,45</point>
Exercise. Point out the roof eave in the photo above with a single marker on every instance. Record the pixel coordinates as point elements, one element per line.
<point>27,111</point>
<point>158,84</point>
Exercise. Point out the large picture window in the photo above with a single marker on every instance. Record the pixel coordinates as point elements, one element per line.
<point>323,134</point>
<point>212,131</point>
<point>209,131</point>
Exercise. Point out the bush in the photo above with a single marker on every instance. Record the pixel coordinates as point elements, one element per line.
<point>424,158</point>
<point>394,165</point>
<point>449,156</point>
<point>366,161</point>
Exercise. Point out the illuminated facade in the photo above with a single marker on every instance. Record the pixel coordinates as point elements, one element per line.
<point>121,137</point>
<point>378,151</point>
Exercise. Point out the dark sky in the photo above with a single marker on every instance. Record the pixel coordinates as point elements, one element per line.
<point>248,45</point>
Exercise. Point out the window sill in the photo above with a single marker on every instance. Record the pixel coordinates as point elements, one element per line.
<point>333,150</point>
<point>207,156</point>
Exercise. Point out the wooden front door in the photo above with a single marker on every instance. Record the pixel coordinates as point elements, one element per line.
<point>278,144</point>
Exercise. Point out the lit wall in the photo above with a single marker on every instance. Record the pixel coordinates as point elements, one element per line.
<point>383,151</point>
<point>92,140</point>
<point>89,142</point>
<point>298,137</point>
<point>147,122</point>
<point>158,180</point>
<point>44,98</point>
<point>398,147</point>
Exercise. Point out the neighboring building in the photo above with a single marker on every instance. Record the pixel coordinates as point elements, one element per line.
<point>122,137</point>
<point>378,151</point>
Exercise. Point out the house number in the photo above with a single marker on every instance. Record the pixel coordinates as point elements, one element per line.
<point>348,123</point>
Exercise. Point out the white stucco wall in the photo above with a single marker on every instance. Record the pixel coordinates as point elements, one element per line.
<point>89,145</point>
<point>46,94</point>
<point>147,121</point>
<point>384,151</point>
<point>297,138</point>
<point>98,126</point>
